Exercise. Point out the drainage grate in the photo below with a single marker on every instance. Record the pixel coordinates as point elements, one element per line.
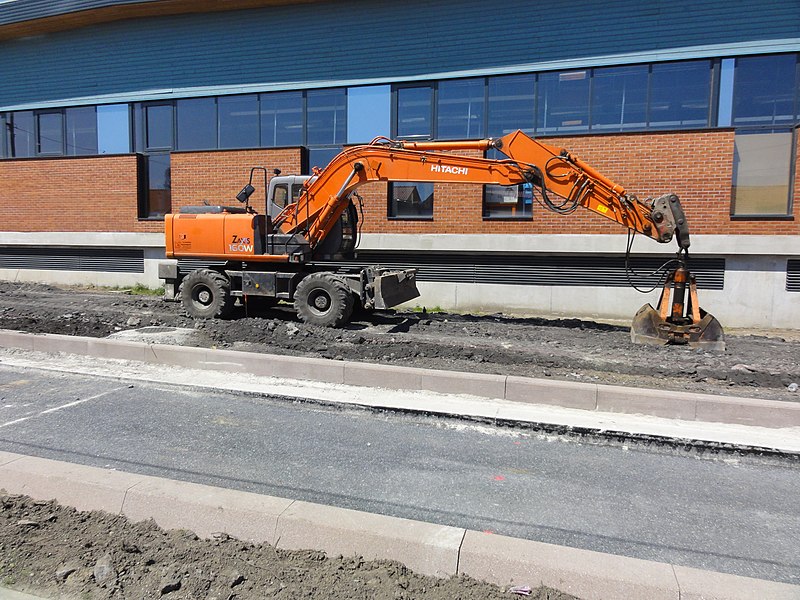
<point>793,275</point>
<point>538,269</point>
<point>118,260</point>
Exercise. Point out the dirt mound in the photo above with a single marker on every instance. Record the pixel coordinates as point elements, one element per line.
<point>57,551</point>
<point>568,349</point>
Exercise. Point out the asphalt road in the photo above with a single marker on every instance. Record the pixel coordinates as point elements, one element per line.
<point>734,516</point>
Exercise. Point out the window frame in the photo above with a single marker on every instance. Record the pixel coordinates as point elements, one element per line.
<point>794,130</point>
<point>390,204</point>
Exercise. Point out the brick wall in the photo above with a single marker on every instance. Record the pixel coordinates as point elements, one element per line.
<point>59,194</point>
<point>71,194</point>
<point>698,166</point>
<point>218,176</point>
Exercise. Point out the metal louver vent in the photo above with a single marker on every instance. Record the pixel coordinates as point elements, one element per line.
<point>117,260</point>
<point>793,275</point>
<point>538,269</point>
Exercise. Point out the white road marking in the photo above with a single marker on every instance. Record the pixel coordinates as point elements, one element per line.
<point>62,407</point>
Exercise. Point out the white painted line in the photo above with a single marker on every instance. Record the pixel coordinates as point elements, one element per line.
<point>62,407</point>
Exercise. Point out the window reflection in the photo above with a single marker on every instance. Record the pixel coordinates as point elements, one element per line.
<point>460,109</point>
<point>761,172</point>
<point>409,199</point>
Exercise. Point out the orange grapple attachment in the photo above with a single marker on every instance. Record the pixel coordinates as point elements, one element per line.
<point>678,322</point>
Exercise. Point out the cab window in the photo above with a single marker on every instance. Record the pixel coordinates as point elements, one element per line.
<point>281,195</point>
<point>297,189</point>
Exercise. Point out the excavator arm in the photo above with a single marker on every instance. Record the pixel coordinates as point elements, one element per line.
<point>554,171</point>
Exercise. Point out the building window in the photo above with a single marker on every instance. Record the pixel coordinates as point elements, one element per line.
<point>282,119</point>
<point>50,133</point>
<point>460,109</point>
<point>22,142</point>
<point>4,132</point>
<point>410,200</point>
<point>326,117</point>
<point>508,201</point>
<point>511,104</point>
<point>159,186</point>
<point>320,157</point>
<point>238,121</point>
<point>764,90</point>
<point>414,112</point>
<point>113,129</point>
<point>82,131</point>
<point>369,113</point>
<point>680,94</point>
<point>762,167</point>
<point>158,126</point>
<point>196,123</point>
<point>619,98</point>
<point>563,102</point>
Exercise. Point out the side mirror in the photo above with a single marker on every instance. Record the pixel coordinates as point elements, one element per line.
<point>245,194</point>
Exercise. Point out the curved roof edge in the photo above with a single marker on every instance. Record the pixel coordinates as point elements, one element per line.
<point>23,18</point>
<point>671,54</point>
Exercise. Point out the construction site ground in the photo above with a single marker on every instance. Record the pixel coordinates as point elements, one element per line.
<point>760,364</point>
<point>50,549</point>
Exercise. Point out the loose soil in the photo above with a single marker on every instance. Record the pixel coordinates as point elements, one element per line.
<point>764,365</point>
<point>58,552</point>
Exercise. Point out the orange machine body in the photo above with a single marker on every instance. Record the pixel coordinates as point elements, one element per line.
<point>216,235</point>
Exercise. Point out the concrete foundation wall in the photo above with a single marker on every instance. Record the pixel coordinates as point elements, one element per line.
<point>754,294</point>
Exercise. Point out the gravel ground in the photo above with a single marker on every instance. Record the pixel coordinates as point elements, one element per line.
<point>56,551</point>
<point>764,365</point>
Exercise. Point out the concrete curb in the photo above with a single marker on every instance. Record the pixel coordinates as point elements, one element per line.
<point>424,547</point>
<point>686,406</point>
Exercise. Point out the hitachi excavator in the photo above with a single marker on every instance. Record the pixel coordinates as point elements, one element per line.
<point>282,254</point>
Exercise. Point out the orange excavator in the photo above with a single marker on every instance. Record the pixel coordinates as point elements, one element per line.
<point>281,254</point>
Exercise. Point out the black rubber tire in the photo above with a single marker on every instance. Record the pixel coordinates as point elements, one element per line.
<point>322,299</point>
<point>206,294</point>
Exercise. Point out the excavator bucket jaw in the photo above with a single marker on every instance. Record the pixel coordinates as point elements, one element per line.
<point>649,328</point>
<point>392,287</point>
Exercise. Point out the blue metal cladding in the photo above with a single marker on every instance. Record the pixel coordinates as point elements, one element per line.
<point>320,44</point>
<point>15,11</point>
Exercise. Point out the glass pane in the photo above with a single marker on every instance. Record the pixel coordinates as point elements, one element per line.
<point>460,109</point>
<point>563,102</point>
<point>113,129</point>
<point>197,124</point>
<point>619,98</point>
<point>409,199</point>
<point>369,113</point>
<point>511,104</point>
<point>679,94</point>
<point>159,185</point>
<point>764,89</point>
<point>22,140</point>
<point>158,119</point>
<point>282,119</point>
<point>326,117</point>
<point>508,201</point>
<point>238,121</point>
<point>3,136</point>
<point>414,110</point>
<point>761,169</point>
<point>51,133</point>
<point>320,157</point>
<point>81,131</point>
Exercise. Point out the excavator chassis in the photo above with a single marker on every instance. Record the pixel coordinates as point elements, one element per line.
<point>667,323</point>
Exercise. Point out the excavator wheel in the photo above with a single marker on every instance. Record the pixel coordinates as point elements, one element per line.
<point>322,299</point>
<point>206,294</point>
